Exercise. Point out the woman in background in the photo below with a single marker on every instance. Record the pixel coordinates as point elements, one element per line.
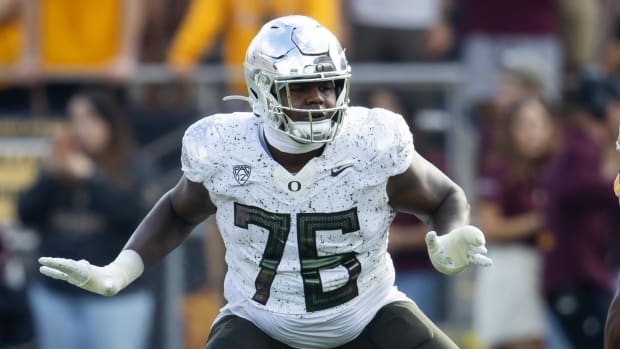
<point>85,204</point>
<point>510,211</point>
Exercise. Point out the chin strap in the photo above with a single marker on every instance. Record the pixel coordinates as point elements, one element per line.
<point>286,144</point>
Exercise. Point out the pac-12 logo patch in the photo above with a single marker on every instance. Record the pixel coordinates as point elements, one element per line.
<point>242,173</point>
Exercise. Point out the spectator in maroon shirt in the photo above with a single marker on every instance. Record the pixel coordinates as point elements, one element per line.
<point>510,210</point>
<point>520,79</point>
<point>577,277</point>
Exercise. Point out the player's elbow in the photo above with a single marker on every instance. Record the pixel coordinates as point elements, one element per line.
<point>455,199</point>
<point>453,209</point>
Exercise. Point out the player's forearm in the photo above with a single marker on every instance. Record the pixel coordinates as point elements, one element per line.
<point>164,228</point>
<point>452,212</point>
<point>160,232</point>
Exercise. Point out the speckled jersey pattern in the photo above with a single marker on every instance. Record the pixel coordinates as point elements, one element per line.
<point>307,242</point>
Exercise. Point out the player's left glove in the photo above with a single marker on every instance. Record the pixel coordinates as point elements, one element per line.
<point>456,250</point>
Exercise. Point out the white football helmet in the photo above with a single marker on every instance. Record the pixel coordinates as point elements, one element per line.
<point>294,49</point>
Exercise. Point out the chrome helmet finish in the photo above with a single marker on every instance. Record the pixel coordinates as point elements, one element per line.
<point>296,49</point>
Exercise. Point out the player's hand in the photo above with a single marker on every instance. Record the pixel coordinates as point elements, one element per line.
<point>106,281</point>
<point>456,250</point>
<point>81,274</point>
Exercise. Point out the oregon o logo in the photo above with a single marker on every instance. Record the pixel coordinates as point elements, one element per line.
<point>294,186</point>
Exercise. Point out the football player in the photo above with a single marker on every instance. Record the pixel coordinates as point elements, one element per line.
<point>304,190</point>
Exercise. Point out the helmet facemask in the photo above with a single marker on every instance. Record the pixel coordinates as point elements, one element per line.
<point>294,50</point>
<point>320,125</point>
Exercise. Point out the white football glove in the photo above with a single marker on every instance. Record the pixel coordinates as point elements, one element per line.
<point>456,250</point>
<point>106,281</point>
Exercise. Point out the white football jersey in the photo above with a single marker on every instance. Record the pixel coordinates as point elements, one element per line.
<point>309,245</point>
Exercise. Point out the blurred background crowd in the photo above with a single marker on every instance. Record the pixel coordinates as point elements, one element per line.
<point>517,100</point>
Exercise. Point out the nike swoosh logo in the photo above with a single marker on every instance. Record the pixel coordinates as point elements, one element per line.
<point>336,171</point>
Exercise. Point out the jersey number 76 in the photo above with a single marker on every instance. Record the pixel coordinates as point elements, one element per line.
<point>278,225</point>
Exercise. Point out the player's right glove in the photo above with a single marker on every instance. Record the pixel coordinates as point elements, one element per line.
<point>456,250</point>
<point>106,281</point>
